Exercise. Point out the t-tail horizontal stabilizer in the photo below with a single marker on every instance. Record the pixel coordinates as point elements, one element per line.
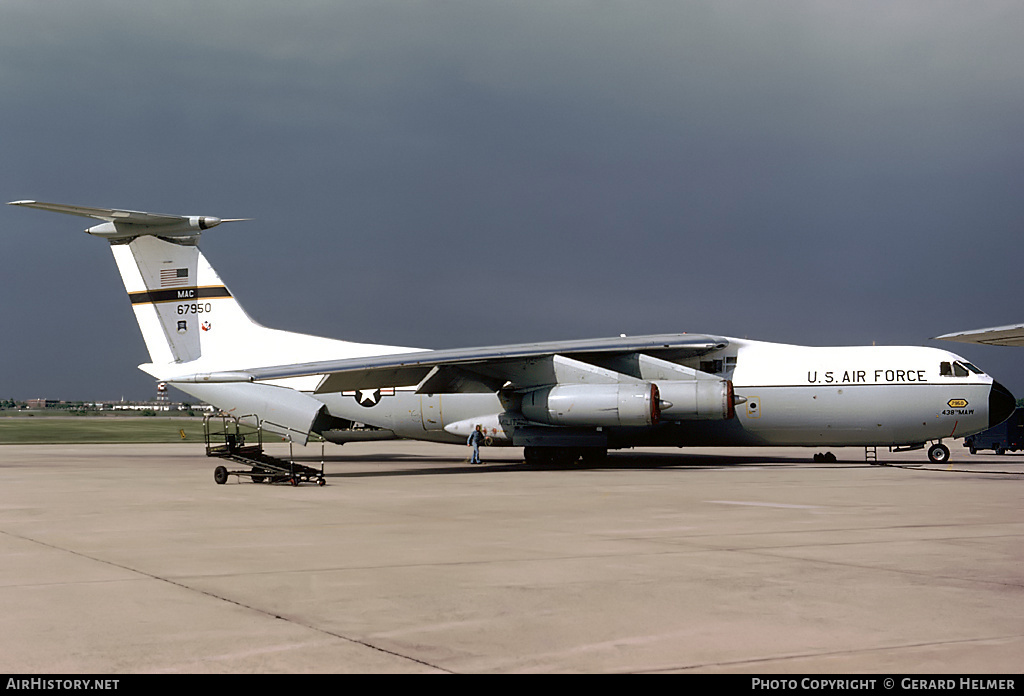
<point>121,224</point>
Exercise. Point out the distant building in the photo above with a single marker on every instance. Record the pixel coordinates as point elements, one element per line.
<point>163,405</point>
<point>42,403</point>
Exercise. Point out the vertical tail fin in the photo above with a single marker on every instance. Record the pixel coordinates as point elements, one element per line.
<point>191,323</point>
<point>177,297</point>
<point>184,310</point>
<point>168,297</point>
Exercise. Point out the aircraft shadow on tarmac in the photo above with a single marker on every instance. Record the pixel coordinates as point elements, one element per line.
<point>432,465</point>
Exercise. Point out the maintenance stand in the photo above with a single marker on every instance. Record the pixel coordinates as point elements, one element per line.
<point>228,438</point>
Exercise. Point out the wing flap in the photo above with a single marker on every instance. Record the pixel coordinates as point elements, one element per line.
<point>456,379</point>
<point>523,364</point>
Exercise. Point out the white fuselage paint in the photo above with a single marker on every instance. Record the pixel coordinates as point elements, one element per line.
<point>794,396</point>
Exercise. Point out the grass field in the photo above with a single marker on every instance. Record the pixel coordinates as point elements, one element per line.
<point>98,429</point>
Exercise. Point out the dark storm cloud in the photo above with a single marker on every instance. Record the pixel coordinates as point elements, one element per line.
<point>460,173</point>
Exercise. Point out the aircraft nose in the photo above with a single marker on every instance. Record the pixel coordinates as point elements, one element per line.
<point>1001,404</point>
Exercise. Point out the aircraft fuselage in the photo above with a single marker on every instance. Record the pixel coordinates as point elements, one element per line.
<point>786,395</point>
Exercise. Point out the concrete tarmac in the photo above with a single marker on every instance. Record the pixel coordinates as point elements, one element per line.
<point>130,559</point>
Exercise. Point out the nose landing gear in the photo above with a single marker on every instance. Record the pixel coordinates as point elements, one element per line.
<point>938,453</point>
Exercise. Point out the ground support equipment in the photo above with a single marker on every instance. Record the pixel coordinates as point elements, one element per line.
<point>227,438</point>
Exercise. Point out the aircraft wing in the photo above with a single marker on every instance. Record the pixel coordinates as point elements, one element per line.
<point>482,369</point>
<point>1012,335</point>
<point>105,214</point>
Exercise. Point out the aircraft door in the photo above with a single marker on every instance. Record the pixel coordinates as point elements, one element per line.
<point>430,411</point>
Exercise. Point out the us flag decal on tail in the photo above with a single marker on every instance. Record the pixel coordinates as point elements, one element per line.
<point>172,277</point>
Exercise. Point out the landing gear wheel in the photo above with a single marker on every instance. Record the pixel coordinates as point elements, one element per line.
<point>938,454</point>
<point>220,475</point>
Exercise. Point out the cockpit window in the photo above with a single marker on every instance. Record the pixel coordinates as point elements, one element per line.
<point>958,369</point>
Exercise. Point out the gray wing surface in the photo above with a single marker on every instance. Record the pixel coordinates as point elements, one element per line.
<point>489,368</point>
<point>119,224</point>
<point>105,214</point>
<point>1012,335</point>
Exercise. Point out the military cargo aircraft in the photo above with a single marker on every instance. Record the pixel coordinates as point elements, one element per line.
<point>560,401</point>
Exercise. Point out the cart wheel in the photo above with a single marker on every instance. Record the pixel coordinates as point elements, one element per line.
<point>321,482</point>
<point>220,475</point>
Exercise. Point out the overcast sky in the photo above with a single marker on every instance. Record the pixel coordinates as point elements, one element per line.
<point>444,174</point>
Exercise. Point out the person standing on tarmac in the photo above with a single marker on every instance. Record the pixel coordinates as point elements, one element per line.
<point>476,438</point>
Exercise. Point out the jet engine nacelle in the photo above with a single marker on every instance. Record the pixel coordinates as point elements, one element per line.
<point>710,399</point>
<point>594,405</point>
